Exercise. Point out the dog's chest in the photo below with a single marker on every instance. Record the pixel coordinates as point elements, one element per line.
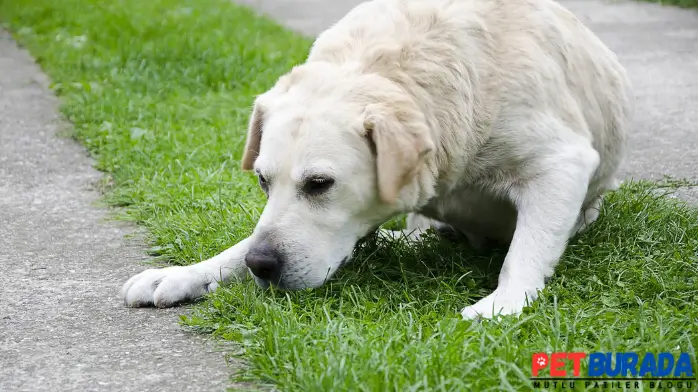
<point>474,211</point>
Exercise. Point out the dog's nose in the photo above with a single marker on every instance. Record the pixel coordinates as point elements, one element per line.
<point>263,261</point>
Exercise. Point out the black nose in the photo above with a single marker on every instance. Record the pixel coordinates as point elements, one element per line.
<point>263,260</point>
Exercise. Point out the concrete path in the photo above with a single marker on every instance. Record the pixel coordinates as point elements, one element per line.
<point>62,325</point>
<point>657,44</point>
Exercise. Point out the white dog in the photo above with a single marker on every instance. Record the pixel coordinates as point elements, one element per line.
<point>502,119</point>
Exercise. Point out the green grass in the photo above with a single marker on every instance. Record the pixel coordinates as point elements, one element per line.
<point>680,3</point>
<point>160,92</point>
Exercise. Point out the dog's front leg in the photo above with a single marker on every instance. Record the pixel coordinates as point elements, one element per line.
<point>548,205</point>
<point>165,287</point>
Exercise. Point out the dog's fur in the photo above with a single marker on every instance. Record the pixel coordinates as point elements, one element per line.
<point>505,120</point>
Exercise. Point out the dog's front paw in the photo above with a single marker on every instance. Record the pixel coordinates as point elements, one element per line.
<point>167,287</point>
<point>500,302</point>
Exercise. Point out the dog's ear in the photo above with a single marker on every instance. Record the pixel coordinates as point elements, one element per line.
<point>254,136</point>
<point>402,142</point>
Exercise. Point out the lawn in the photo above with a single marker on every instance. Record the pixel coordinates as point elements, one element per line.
<point>680,3</point>
<point>160,92</point>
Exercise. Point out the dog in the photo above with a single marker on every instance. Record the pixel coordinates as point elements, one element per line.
<point>504,120</point>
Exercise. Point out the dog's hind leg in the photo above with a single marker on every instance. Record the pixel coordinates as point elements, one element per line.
<point>588,215</point>
<point>592,206</point>
<point>416,226</point>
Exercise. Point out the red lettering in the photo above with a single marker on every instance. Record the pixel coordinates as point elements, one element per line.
<point>539,361</point>
<point>576,361</point>
<point>556,365</point>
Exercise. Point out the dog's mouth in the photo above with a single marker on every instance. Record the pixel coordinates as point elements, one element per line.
<point>281,285</point>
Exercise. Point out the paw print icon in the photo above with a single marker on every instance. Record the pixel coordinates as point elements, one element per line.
<point>541,361</point>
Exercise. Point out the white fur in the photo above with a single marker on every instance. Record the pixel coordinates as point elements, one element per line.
<point>502,119</point>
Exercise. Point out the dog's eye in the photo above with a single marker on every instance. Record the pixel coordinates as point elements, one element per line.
<point>263,182</point>
<point>317,185</point>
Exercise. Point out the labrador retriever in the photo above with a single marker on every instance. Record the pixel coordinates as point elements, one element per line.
<point>504,120</point>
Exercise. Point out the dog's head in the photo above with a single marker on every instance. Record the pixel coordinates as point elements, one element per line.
<point>337,153</point>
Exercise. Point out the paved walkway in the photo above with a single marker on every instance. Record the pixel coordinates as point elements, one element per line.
<point>62,326</point>
<point>657,44</point>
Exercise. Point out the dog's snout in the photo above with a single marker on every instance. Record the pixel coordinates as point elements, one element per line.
<point>264,261</point>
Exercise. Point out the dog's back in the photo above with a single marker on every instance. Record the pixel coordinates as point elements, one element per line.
<point>475,64</point>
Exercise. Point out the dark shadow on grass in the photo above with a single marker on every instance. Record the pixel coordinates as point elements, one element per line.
<point>441,261</point>
<point>438,257</point>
